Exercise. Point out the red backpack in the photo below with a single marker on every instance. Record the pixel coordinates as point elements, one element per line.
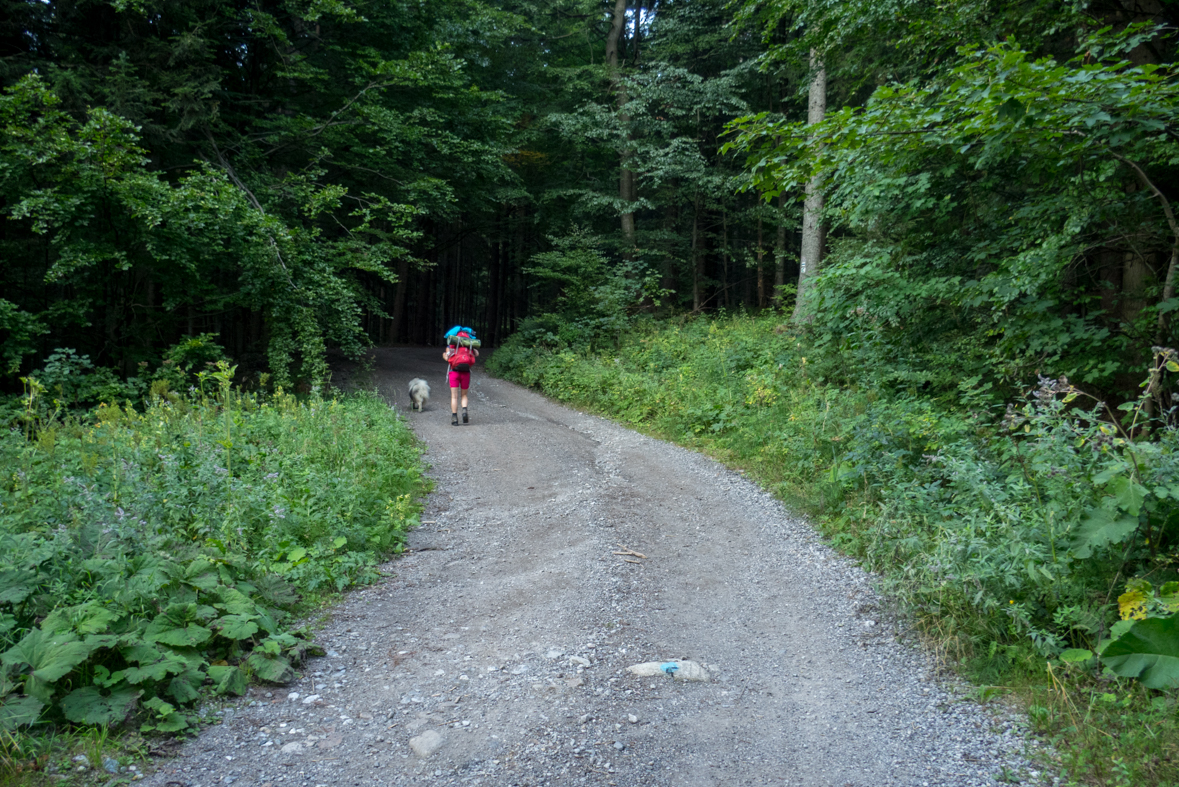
<point>462,359</point>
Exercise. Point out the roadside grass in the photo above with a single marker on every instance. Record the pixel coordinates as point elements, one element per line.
<point>991,526</point>
<point>155,561</point>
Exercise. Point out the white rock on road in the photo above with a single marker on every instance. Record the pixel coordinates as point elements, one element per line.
<point>680,670</point>
<point>427,743</point>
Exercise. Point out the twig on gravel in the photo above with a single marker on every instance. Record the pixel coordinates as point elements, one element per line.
<point>629,551</point>
<point>628,560</point>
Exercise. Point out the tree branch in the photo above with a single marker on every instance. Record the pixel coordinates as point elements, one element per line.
<point>253,201</point>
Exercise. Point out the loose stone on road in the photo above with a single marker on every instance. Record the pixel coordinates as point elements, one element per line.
<point>557,550</point>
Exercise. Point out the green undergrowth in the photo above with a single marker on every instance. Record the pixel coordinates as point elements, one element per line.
<point>1022,538</point>
<point>152,558</point>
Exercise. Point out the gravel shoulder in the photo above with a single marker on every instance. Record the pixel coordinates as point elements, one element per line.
<point>496,651</point>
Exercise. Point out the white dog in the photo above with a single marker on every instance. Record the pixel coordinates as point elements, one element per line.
<point>419,393</point>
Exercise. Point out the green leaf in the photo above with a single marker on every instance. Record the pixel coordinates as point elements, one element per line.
<point>277,590</point>
<point>174,627</point>
<point>17,585</point>
<point>1101,528</point>
<point>154,672</point>
<point>237,626</point>
<point>139,652</point>
<point>161,707</point>
<point>273,669</point>
<point>185,687</point>
<point>167,717</point>
<point>201,574</point>
<point>1169,596</point>
<point>1116,630</point>
<point>187,637</point>
<point>88,618</point>
<point>88,705</point>
<point>1011,109</point>
<point>228,680</point>
<point>151,574</point>
<point>235,602</point>
<point>1128,494</point>
<point>1076,655</point>
<point>1149,651</point>
<point>173,723</point>
<point>50,655</point>
<point>18,711</point>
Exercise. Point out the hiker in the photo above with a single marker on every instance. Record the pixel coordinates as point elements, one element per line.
<point>461,352</point>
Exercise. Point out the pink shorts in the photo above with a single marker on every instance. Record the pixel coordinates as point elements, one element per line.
<point>460,380</point>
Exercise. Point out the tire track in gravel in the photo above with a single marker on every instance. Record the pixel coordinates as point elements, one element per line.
<point>483,633</point>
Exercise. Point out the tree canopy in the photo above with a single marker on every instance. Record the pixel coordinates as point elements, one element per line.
<point>302,178</point>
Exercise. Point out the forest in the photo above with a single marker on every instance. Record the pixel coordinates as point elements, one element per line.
<point>913,264</point>
<point>990,199</point>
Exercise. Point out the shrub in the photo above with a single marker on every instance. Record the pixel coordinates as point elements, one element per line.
<point>148,556</point>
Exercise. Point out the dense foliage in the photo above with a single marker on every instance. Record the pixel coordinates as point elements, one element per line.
<point>301,177</point>
<point>147,554</point>
<point>1010,213</point>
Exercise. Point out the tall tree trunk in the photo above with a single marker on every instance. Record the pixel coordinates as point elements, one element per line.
<point>1173,265</point>
<point>780,252</point>
<point>725,280</point>
<point>697,267</point>
<point>761,268</point>
<point>812,228</point>
<point>491,319</point>
<point>1134,276</point>
<point>626,180</point>
<point>399,301</point>
<point>667,264</point>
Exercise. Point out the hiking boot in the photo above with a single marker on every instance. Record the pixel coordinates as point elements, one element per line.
<point>454,419</point>
<point>464,415</point>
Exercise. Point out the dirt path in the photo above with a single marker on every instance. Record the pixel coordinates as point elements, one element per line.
<point>508,629</point>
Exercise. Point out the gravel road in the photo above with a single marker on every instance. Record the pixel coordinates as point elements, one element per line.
<point>496,651</point>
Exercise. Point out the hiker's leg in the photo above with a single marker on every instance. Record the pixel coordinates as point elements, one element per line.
<point>454,391</point>
<point>465,382</point>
